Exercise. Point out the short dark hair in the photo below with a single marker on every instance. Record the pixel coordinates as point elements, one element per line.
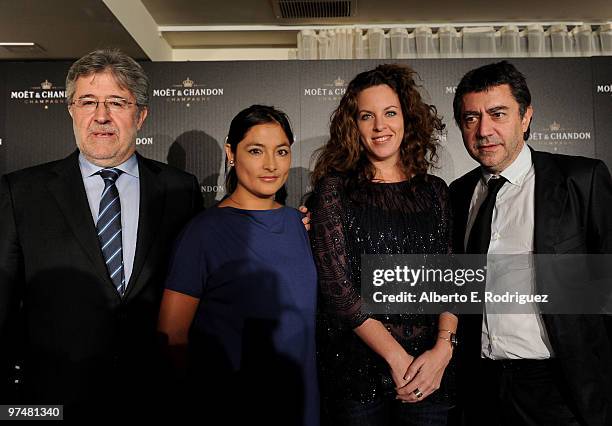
<point>241,124</point>
<point>127,71</point>
<point>491,75</point>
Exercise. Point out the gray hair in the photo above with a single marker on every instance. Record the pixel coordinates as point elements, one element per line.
<point>127,71</point>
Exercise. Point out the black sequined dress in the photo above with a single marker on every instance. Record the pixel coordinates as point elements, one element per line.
<point>407,217</point>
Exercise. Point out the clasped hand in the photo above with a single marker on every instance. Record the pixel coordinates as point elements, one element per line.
<point>421,375</point>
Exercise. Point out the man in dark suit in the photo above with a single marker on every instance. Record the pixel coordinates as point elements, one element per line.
<point>529,369</point>
<point>83,253</point>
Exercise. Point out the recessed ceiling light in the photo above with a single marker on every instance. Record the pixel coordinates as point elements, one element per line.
<point>18,47</point>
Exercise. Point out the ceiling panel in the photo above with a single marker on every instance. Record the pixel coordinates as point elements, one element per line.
<point>259,12</point>
<point>65,29</point>
<point>237,39</point>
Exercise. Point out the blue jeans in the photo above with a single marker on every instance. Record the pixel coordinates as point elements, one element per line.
<point>385,411</point>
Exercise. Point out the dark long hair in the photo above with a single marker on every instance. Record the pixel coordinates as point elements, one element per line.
<point>241,124</point>
<point>343,153</point>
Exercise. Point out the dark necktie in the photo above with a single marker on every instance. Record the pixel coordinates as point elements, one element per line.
<point>480,235</point>
<point>109,228</point>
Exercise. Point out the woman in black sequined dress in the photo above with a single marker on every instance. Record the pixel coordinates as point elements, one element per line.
<point>372,195</point>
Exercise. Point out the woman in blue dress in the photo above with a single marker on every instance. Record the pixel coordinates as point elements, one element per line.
<point>241,292</point>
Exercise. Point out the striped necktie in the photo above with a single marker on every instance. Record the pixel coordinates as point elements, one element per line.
<point>109,228</point>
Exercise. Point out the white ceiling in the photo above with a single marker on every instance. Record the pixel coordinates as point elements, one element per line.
<point>162,29</point>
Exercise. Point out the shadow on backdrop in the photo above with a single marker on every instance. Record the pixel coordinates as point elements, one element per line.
<point>200,154</point>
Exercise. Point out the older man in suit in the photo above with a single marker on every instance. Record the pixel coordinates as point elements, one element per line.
<point>527,369</point>
<point>84,248</point>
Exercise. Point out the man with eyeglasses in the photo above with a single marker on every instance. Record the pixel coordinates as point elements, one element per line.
<point>83,252</point>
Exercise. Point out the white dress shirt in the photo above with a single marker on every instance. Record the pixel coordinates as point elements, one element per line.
<point>511,336</point>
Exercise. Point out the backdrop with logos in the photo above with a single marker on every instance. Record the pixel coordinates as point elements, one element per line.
<point>192,104</point>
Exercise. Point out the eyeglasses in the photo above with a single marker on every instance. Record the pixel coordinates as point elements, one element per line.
<point>111,104</point>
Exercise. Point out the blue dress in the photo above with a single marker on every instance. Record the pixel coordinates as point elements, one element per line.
<point>252,341</point>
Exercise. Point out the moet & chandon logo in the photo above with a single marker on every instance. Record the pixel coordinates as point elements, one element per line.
<point>43,94</point>
<point>604,88</point>
<point>328,92</point>
<point>144,140</point>
<point>188,92</point>
<point>555,135</point>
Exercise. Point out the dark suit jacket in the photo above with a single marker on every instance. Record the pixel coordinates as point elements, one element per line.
<point>573,196</point>
<point>81,344</point>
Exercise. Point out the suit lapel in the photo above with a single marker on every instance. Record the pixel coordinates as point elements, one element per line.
<point>550,199</point>
<point>461,196</point>
<point>68,189</point>
<point>470,326</point>
<point>152,205</point>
